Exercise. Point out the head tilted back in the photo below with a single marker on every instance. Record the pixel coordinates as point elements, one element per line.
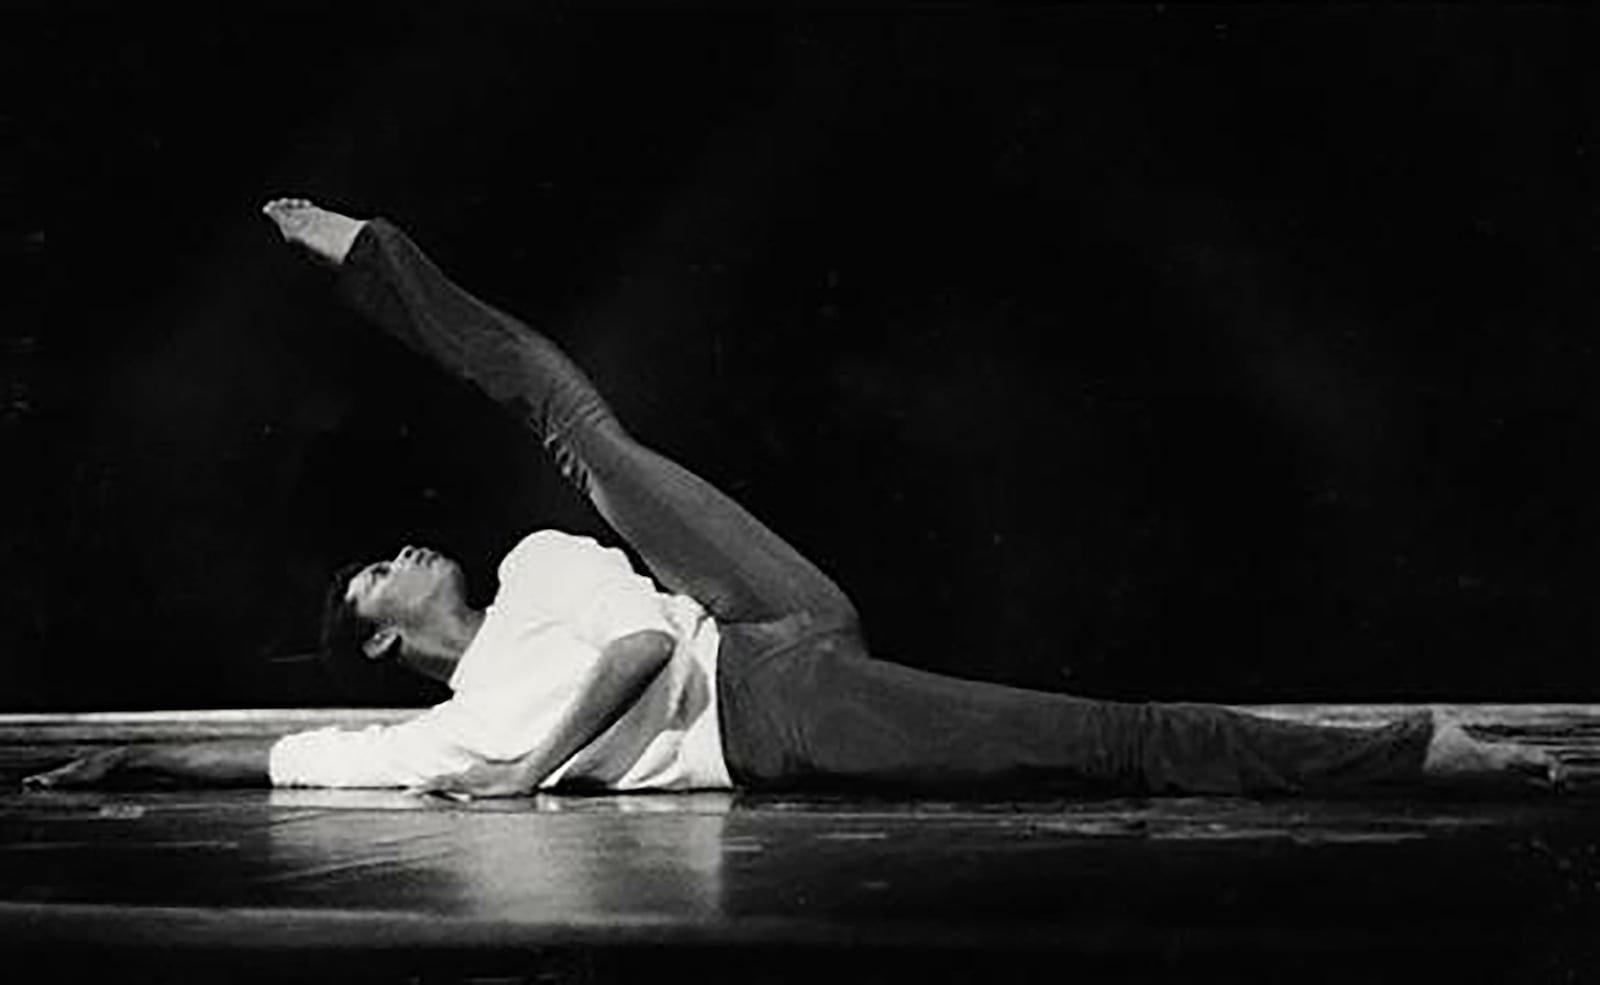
<point>356,677</point>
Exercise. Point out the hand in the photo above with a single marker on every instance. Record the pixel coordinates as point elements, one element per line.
<point>488,779</point>
<point>85,771</point>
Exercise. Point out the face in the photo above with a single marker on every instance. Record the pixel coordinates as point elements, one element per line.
<point>407,593</point>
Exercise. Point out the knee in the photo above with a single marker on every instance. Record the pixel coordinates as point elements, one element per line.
<point>826,609</point>
<point>835,620</point>
<point>816,611</point>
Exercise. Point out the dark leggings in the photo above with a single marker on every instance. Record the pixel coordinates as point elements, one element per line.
<point>802,702</point>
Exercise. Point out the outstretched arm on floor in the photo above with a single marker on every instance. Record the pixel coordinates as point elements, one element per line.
<point>214,763</point>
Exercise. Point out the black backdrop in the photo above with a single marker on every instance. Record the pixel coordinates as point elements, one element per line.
<point>1141,351</point>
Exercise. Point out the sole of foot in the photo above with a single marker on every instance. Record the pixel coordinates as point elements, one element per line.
<point>1455,757</point>
<point>326,235</point>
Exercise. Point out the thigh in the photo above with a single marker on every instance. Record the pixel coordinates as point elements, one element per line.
<point>821,712</point>
<point>698,541</point>
<point>892,725</point>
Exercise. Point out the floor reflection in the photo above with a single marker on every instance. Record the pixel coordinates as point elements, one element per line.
<point>645,858</point>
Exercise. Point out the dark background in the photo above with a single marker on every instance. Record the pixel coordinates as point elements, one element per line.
<point>1139,351</point>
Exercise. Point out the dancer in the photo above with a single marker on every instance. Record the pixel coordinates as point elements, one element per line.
<point>740,665</point>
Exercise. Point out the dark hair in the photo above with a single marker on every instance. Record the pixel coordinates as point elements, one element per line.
<point>343,628</point>
<point>354,675</point>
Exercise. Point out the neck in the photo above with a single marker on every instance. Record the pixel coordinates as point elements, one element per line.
<point>435,649</point>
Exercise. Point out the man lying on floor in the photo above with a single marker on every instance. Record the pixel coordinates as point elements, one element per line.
<point>747,668</point>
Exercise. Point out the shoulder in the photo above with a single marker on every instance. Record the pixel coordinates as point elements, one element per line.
<point>542,543</point>
<point>544,550</point>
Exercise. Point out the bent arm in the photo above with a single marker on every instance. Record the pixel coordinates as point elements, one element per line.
<point>214,763</point>
<point>625,670</point>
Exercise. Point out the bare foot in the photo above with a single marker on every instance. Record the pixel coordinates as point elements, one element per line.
<point>328,235</point>
<point>1453,755</point>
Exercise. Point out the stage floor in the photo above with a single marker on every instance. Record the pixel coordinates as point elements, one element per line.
<point>387,886</point>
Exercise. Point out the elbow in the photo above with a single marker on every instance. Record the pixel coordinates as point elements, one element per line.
<point>645,652</point>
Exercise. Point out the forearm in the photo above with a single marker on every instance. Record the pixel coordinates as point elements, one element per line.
<point>221,762</point>
<point>214,763</point>
<point>625,670</point>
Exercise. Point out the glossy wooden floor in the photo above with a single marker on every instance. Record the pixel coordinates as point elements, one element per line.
<point>380,886</point>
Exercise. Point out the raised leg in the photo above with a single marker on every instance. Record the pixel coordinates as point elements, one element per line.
<point>695,539</point>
